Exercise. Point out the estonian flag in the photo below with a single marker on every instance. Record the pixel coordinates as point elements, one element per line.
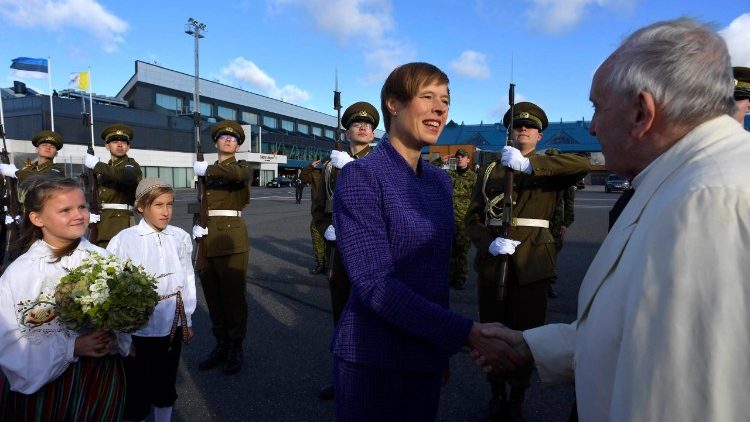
<point>29,68</point>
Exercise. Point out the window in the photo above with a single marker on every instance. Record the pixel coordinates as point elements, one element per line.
<point>227,113</point>
<point>205,108</point>
<point>317,131</point>
<point>287,125</point>
<point>303,128</point>
<point>330,134</point>
<point>169,102</point>
<point>249,118</point>
<point>270,122</point>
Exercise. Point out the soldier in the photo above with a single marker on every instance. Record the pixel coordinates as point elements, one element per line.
<point>47,144</point>
<point>299,187</point>
<point>311,175</point>
<point>360,120</point>
<point>539,181</point>
<point>227,246</point>
<point>742,92</point>
<point>463,178</point>
<point>117,180</point>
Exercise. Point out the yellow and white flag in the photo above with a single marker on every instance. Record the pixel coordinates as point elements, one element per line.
<point>79,80</point>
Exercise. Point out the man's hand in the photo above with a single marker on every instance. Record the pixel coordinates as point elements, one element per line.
<point>200,167</point>
<point>503,246</point>
<point>510,351</point>
<point>90,161</point>
<point>330,233</point>
<point>8,170</point>
<point>340,158</point>
<point>511,157</point>
<point>315,163</point>
<point>199,231</point>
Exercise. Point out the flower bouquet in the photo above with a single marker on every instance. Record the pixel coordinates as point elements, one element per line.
<point>108,293</point>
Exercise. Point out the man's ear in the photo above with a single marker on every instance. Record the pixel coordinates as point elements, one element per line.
<point>644,114</point>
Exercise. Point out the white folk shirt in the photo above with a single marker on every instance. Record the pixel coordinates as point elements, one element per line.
<point>32,357</point>
<point>166,253</point>
<point>663,311</point>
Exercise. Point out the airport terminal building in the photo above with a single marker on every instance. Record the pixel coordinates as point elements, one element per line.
<point>157,103</point>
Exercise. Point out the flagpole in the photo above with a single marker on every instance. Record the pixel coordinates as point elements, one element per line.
<point>49,79</point>
<point>91,109</point>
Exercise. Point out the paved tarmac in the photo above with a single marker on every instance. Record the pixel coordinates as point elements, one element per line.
<point>289,326</point>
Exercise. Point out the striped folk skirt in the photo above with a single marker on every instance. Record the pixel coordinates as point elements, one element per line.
<point>92,389</point>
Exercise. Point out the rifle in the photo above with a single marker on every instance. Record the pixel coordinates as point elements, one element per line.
<point>502,282</point>
<point>11,208</point>
<point>336,106</point>
<point>201,259</point>
<point>94,202</point>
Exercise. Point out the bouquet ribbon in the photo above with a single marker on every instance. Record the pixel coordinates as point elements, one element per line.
<point>180,317</point>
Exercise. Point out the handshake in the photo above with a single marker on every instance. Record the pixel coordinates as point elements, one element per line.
<point>498,349</point>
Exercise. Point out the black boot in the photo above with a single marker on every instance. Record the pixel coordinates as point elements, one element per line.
<point>234,360</point>
<point>319,269</point>
<point>217,356</point>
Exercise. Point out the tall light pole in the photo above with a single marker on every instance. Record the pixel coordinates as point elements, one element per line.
<point>196,30</point>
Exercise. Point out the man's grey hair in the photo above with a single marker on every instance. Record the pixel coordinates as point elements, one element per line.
<point>684,64</point>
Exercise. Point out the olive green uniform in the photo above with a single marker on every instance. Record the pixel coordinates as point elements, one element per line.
<point>117,181</point>
<point>463,183</point>
<point>312,176</point>
<point>564,216</point>
<point>322,211</point>
<point>535,196</point>
<point>50,168</point>
<point>227,249</point>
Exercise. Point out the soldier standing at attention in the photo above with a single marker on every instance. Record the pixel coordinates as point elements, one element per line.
<point>563,219</point>
<point>539,181</point>
<point>463,178</point>
<point>47,145</point>
<point>118,179</point>
<point>227,246</point>
<point>742,92</point>
<point>311,175</point>
<point>360,120</point>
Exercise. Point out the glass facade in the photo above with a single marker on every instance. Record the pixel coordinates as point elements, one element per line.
<point>303,128</point>
<point>249,118</point>
<point>330,134</point>
<point>206,108</point>
<point>179,177</point>
<point>317,131</point>
<point>226,113</point>
<point>296,152</point>
<point>287,125</point>
<point>270,122</point>
<point>169,102</point>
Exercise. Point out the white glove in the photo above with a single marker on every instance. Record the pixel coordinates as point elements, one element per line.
<point>340,158</point>
<point>503,246</point>
<point>90,161</point>
<point>94,218</point>
<point>330,234</point>
<point>9,219</point>
<point>514,159</point>
<point>199,167</point>
<point>8,170</point>
<point>199,231</point>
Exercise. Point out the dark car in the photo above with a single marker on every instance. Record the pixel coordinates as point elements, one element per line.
<point>278,182</point>
<point>616,183</point>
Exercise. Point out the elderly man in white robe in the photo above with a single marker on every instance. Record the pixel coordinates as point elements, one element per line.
<point>663,311</point>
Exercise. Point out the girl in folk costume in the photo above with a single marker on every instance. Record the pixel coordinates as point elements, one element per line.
<point>50,373</point>
<point>165,251</point>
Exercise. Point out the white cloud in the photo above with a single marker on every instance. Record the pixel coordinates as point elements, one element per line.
<point>243,70</point>
<point>501,106</point>
<point>348,20</point>
<point>737,38</point>
<point>472,64</point>
<point>85,15</point>
<point>560,15</point>
<point>383,60</point>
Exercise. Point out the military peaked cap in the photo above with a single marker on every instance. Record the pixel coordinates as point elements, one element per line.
<point>228,127</point>
<point>741,83</point>
<point>117,132</point>
<point>360,112</point>
<point>47,137</point>
<point>526,112</point>
<point>461,153</point>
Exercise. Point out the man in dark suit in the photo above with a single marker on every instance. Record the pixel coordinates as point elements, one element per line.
<point>539,182</point>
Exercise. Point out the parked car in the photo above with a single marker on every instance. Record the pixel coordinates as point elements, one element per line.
<point>580,185</point>
<point>616,183</point>
<point>278,182</point>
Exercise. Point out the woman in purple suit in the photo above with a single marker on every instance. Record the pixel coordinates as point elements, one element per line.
<point>394,227</point>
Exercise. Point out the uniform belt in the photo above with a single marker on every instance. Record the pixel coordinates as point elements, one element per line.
<point>520,222</point>
<point>117,207</point>
<point>224,213</point>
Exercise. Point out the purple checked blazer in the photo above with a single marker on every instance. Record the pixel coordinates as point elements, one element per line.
<point>394,230</point>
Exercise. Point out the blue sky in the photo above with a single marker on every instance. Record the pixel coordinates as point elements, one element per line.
<point>290,49</point>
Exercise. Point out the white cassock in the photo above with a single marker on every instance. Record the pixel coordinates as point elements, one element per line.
<point>663,327</point>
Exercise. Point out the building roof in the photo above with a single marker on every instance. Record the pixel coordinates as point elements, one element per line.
<point>565,136</point>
